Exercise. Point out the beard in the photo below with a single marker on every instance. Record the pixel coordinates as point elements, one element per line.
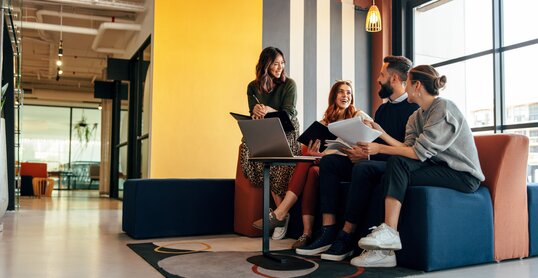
<point>385,91</point>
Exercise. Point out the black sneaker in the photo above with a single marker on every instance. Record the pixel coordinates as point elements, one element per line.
<point>322,242</point>
<point>341,248</point>
<point>273,223</point>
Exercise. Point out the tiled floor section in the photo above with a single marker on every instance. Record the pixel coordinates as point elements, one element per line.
<point>78,234</point>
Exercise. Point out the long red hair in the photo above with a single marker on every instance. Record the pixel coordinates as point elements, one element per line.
<point>335,113</point>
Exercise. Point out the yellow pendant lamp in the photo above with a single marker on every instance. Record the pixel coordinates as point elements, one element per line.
<point>373,19</point>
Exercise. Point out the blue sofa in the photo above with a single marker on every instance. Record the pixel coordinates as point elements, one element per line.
<point>442,228</point>
<point>437,228</point>
<point>532,193</point>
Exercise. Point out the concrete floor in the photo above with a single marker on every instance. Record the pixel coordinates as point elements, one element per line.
<point>78,234</point>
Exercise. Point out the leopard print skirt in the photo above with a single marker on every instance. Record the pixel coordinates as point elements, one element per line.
<point>279,175</point>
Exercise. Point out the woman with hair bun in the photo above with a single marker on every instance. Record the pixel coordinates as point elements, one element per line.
<point>439,150</point>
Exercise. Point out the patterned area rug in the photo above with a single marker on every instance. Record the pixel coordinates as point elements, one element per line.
<point>227,257</point>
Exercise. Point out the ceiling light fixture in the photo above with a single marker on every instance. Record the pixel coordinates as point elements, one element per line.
<point>60,49</point>
<point>373,19</point>
<point>60,46</point>
<point>59,62</point>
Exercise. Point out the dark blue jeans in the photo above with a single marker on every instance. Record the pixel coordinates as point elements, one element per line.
<point>364,176</point>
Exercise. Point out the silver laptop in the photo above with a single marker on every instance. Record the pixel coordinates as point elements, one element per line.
<point>266,140</point>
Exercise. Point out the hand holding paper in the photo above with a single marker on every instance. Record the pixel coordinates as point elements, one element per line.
<point>353,130</point>
<point>337,144</point>
<point>369,148</point>
<point>356,153</point>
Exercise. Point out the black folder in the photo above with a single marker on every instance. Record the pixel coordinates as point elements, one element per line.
<point>316,131</point>
<point>283,116</point>
<point>240,117</point>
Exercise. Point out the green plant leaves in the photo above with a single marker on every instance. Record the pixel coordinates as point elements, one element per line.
<point>84,131</point>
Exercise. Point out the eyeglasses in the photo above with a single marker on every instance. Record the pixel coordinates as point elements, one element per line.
<point>342,81</point>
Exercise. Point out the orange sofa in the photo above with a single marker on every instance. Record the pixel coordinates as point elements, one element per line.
<point>248,203</point>
<point>503,158</point>
<point>38,172</point>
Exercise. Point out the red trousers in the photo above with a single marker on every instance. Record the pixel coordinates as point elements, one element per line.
<point>305,180</point>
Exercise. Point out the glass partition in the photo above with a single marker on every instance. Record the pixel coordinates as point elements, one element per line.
<point>46,136</point>
<point>67,139</point>
<point>86,135</point>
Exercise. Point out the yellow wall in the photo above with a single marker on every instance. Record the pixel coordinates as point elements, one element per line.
<point>204,56</point>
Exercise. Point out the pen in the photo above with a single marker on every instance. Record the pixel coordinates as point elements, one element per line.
<point>257,100</point>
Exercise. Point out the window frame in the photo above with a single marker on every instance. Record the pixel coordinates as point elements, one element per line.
<point>403,44</point>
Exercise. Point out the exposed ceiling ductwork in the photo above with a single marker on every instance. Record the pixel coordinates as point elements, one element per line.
<point>55,28</point>
<point>114,5</point>
<point>122,29</point>
<point>90,33</point>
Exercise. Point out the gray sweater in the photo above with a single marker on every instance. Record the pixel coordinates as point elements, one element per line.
<point>441,133</point>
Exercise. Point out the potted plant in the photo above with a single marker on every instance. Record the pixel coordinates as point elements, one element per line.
<point>84,131</point>
<point>3,160</point>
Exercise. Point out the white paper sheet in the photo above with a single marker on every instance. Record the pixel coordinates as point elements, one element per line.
<point>353,130</point>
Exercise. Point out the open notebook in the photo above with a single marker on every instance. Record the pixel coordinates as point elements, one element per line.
<point>266,139</point>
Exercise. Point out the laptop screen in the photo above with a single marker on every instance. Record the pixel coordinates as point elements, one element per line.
<point>265,138</point>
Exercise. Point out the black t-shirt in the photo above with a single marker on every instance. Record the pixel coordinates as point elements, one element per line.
<point>392,117</point>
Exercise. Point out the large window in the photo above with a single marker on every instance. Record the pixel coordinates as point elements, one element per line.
<point>451,30</point>
<point>46,136</point>
<point>469,85</point>
<point>487,49</point>
<point>67,139</point>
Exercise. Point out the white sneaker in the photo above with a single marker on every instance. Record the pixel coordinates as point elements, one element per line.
<point>280,232</point>
<point>375,258</point>
<point>382,237</point>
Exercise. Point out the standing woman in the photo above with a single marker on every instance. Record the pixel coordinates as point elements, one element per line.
<point>439,150</point>
<point>272,91</point>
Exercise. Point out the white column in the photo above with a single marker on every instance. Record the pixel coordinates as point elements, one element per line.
<point>323,55</point>
<point>296,55</point>
<point>348,40</point>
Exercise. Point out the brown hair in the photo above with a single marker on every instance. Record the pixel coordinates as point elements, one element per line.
<point>265,82</point>
<point>429,77</point>
<point>333,111</point>
<point>398,65</point>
